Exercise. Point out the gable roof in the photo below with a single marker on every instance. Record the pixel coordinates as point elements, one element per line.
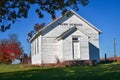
<point>70,11</point>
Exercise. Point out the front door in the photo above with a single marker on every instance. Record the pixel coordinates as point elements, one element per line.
<point>76,49</point>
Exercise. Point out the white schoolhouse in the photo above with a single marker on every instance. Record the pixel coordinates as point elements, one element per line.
<point>69,37</point>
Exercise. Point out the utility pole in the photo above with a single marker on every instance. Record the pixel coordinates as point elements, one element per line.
<point>105,57</point>
<point>114,48</point>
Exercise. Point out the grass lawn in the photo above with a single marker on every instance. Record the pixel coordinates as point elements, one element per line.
<point>100,72</point>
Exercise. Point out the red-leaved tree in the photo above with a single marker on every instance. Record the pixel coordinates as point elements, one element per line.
<point>10,49</point>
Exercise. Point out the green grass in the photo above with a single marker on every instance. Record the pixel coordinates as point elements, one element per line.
<point>100,72</point>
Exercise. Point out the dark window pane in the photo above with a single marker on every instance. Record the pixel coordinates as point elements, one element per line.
<point>75,39</point>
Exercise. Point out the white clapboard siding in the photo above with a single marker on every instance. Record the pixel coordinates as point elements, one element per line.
<point>32,49</point>
<point>36,59</point>
<point>60,50</point>
<point>67,48</point>
<point>55,30</point>
<point>32,52</point>
<point>84,48</point>
<point>49,50</point>
<point>36,51</point>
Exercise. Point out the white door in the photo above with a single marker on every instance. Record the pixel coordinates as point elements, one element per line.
<point>76,50</point>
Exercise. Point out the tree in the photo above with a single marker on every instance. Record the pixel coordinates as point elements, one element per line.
<point>12,10</point>
<point>36,28</point>
<point>10,49</point>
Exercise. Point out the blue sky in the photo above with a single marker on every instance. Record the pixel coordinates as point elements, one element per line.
<point>104,14</point>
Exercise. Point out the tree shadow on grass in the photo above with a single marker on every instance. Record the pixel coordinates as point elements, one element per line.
<point>67,73</point>
<point>35,74</point>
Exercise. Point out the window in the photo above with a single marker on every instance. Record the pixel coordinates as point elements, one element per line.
<point>75,39</point>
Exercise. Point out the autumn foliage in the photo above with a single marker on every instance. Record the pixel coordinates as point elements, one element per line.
<point>12,10</point>
<point>9,50</point>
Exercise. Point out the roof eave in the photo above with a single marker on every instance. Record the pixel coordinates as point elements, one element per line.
<point>31,39</point>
